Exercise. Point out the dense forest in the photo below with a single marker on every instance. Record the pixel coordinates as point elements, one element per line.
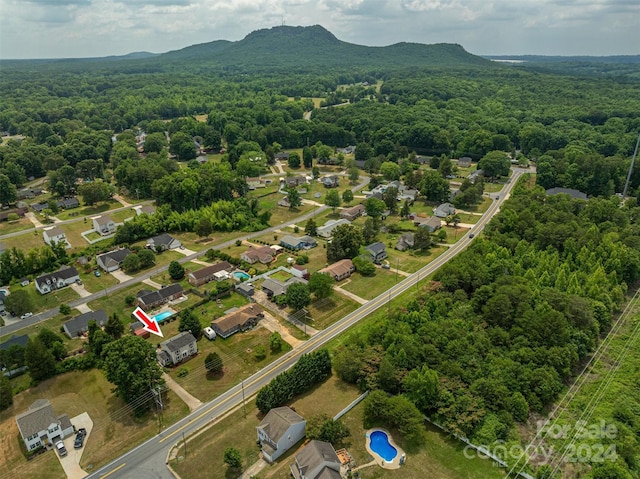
<point>503,327</point>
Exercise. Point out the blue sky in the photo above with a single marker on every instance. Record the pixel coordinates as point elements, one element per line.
<point>85,28</point>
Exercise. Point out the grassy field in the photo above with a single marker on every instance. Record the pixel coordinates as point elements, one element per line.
<point>281,276</point>
<point>93,284</point>
<point>7,227</point>
<point>238,357</point>
<point>54,299</point>
<point>114,303</point>
<point>368,287</point>
<point>115,429</point>
<point>327,311</point>
<point>88,210</point>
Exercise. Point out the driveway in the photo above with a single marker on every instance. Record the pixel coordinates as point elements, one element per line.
<point>184,251</point>
<point>121,276</point>
<point>84,308</point>
<point>71,462</point>
<point>272,324</point>
<point>79,288</point>
<point>152,283</point>
<point>32,217</point>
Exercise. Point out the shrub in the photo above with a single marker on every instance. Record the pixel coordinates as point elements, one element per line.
<point>183,371</point>
<point>260,353</point>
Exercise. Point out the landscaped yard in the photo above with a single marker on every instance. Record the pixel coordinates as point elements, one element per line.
<point>238,358</point>
<point>281,275</point>
<point>115,430</point>
<point>95,284</point>
<point>114,303</point>
<point>439,457</point>
<point>368,287</point>
<point>88,210</point>
<point>42,302</point>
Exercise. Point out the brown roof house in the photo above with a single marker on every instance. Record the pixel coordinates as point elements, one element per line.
<point>264,254</point>
<point>150,299</point>
<point>177,349</point>
<point>209,273</point>
<point>339,270</point>
<point>40,426</point>
<point>317,460</point>
<point>241,319</point>
<point>352,213</point>
<point>280,429</point>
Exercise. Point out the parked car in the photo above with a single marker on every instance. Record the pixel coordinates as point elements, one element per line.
<point>62,451</point>
<point>471,236</point>
<point>386,266</point>
<point>26,315</point>
<point>79,442</point>
<point>97,273</point>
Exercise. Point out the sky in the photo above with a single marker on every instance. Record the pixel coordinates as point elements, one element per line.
<point>94,28</point>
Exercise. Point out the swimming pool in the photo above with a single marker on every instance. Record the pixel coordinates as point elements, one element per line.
<point>241,275</point>
<point>162,316</point>
<point>379,443</point>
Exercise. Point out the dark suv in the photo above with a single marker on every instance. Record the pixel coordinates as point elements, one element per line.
<point>82,432</point>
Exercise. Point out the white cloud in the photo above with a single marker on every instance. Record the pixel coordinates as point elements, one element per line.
<point>63,28</point>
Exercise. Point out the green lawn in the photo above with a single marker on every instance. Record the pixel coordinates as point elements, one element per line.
<point>7,227</point>
<point>325,312</point>
<point>368,287</point>
<point>94,284</point>
<point>468,218</point>
<point>88,210</point>
<point>281,276</point>
<point>42,302</point>
<point>114,303</point>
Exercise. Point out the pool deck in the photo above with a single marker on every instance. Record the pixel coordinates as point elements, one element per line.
<point>395,462</point>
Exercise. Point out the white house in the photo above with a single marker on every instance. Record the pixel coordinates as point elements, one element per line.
<point>104,225</point>
<point>112,260</point>
<point>163,242</point>
<point>39,426</point>
<point>280,429</point>
<point>55,235</point>
<point>326,230</point>
<point>59,279</point>
<point>177,349</point>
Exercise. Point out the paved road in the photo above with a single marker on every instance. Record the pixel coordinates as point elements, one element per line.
<point>148,459</point>
<point>37,318</point>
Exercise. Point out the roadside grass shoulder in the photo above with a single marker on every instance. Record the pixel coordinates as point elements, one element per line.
<point>327,311</point>
<point>22,224</point>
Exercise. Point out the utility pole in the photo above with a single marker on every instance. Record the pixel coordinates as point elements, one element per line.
<point>633,160</point>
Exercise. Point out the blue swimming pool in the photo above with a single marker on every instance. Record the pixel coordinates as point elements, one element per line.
<point>379,443</point>
<point>241,275</point>
<point>162,316</point>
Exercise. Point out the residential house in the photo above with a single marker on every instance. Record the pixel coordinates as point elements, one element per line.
<point>68,203</point>
<point>255,182</point>
<point>163,242</point>
<point>377,251</point>
<point>39,207</point>
<point>280,429</point>
<point>144,209</point>
<point>408,195</point>
<point>21,212</point>
<point>339,270</point>
<point>151,299</point>
<point>263,254</point>
<point>273,287</point>
<point>352,213</point>
<point>405,242</point>
<point>177,349</point>
<point>317,460</point>
<point>444,210</point>
<point>464,162</point>
<point>65,276</point>
<point>475,175</point>
<point>433,223</point>
<point>348,150</point>
<point>299,271</point>
<point>29,193</point>
<point>17,341</point>
<point>112,260</point>
<point>208,273</point>
<point>104,225</point>
<point>80,324</point>
<point>294,181</point>
<point>326,230</point>
<point>245,289</point>
<point>284,202</point>
<point>241,319</point>
<point>55,235</point>
<point>283,155</point>
<point>40,427</point>
<point>332,181</point>
<point>296,243</point>
<point>24,281</point>
<point>576,194</point>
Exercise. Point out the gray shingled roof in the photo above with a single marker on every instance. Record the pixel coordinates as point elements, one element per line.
<point>15,341</point>
<point>179,341</point>
<point>163,239</point>
<point>66,272</point>
<point>278,421</point>
<point>376,248</point>
<point>150,297</point>
<point>81,322</point>
<point>38,418</point>
<point>314,454</point>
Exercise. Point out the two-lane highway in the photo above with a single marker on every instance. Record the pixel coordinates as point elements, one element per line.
<point>148,459</point>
